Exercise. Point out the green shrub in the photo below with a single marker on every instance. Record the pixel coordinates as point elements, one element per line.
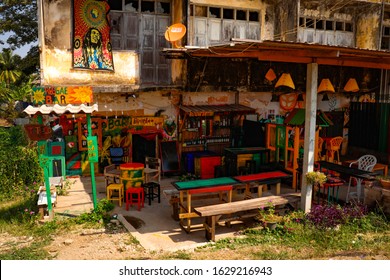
<point>20,172</point>
<point>98,215</point>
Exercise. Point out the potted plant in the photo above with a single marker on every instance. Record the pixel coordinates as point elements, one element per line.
<point>315,178</point>
<point>268,217</point>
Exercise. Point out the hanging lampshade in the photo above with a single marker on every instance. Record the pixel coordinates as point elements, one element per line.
<point>300,97</point>
<point>325,85</point>
<point>285,80</point>
<point>351,85</point>
<point>270,75</point>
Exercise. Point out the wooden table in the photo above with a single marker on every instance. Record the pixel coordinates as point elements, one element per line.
<point>378,167</point>
<point>262,179</point>
<point>346,170</point>
<point>204,187</point>
<point>349,171</point>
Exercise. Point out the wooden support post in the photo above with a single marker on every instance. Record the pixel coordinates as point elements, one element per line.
<point>310,129</point>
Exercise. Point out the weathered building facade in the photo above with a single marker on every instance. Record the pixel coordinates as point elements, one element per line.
<point>152,76</point>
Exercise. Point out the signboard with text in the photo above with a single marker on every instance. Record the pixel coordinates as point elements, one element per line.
<point>93,151</point>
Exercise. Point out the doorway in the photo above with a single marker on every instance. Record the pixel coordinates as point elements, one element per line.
<point>143,145</point>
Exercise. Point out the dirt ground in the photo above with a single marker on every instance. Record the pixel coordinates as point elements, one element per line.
<point>116,243</point>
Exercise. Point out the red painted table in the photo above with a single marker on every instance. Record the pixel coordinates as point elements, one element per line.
<point>263,179</point>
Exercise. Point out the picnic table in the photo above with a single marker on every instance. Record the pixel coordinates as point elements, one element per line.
<point>201,189</point>
<point>262,180</point>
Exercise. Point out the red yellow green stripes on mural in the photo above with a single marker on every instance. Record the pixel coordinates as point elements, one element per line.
<point>62,95</point>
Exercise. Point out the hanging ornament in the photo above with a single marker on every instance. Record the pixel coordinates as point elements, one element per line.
<point>288,101</point>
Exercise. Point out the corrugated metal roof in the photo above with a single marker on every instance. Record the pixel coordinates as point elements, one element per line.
<point>58,109</point>
<point>210,110</point>
<point>295,52</point>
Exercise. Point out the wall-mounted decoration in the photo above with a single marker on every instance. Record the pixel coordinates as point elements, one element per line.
<point>62,95</point>
<point>82,133</point>
<point>91,35</point>
<point>288,101</point>
<point>37,132</point>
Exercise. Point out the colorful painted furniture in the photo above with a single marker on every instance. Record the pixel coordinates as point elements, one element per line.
<point>132,174</point>
<point>135,196</point>
<point>115,192</point>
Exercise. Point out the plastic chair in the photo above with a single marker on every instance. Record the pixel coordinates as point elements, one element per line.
<point>367,163</point>
<point>334,148</point>
<point>116,155</point>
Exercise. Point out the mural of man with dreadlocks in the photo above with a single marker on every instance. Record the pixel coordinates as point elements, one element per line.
<point>92,49</point>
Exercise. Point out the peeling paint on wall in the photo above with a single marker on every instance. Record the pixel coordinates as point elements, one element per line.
<point>57,70</point>
<point>367,29</point>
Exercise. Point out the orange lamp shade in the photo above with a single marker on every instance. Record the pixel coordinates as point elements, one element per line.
<point>285,80</point>
<point>351,85</point>
<point>270,75</point>
<point>325,85</point>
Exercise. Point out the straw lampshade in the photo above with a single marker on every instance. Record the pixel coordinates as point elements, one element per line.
<point>351,85</point>
<point>270,75</point>
<point>325,85</point>
<point>285,80</point>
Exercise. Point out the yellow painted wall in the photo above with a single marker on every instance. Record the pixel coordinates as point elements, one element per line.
<point>367,29</point>
<point>58,70</point>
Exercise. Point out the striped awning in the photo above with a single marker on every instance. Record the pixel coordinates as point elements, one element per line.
<point>59,109</point>
<point>210,110</point>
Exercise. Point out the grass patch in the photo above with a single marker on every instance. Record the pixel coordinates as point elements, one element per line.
<point>298,237</point>
<point>27,237</point>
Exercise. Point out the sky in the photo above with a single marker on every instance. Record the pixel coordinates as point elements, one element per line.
<point>22,51</point>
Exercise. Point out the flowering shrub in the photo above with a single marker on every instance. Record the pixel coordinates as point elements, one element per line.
<point>330,216</point>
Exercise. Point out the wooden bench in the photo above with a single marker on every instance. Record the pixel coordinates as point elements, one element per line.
<point>213,213</point>
<point>188,196</point>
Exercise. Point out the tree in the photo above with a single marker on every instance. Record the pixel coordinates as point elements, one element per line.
<point>9,72</point>
<point>20,18</point>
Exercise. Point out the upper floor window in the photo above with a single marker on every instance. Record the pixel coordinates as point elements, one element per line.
<point>141,6</point>
<point>214,25</point>
<point>322,24</point>
<point>326,31</point>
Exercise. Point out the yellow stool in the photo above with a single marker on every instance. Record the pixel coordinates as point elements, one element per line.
<point>110,191</point>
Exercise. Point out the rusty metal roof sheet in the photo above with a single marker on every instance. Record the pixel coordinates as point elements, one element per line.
<point>295,52</point>
<point>210,110</point>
